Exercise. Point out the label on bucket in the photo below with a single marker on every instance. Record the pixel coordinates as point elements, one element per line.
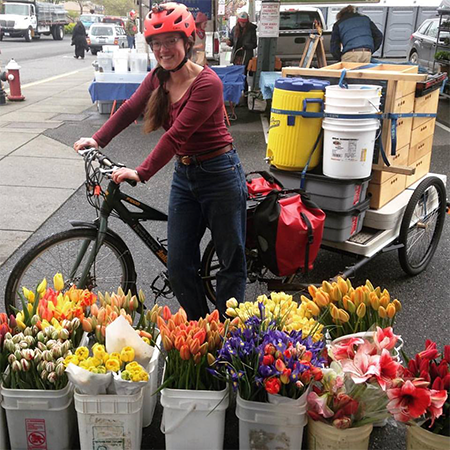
<point>346,149</point>
<point>108,438</point>
<point>36,434</point>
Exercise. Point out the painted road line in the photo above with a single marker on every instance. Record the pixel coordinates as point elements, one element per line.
<point>35,83</point>
<point>265,126</point>
<point>444,127</point>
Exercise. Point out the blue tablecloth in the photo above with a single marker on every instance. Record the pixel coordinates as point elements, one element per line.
<point>105,91</point>
<point>233,80</point>
<point>267,83</point>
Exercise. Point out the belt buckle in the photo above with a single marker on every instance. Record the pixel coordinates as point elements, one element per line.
<point>186,160</point>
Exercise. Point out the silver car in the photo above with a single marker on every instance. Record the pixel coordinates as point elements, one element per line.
<point>106,34</point>
<point>423,43</point>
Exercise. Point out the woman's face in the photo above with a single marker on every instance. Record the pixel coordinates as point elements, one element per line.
<point>169,49</point>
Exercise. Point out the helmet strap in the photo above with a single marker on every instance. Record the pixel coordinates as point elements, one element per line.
<point>182,63</point>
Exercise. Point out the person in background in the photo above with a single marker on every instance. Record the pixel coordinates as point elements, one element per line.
<point>79,39</point>
<point>199,50</point>
<point>131,29</point>
<point>208,186</point>
<point>243,40</point>
<point>354,37</point>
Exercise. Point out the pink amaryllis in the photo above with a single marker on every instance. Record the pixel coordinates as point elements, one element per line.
<point>346,348</point>
<point>317,404</point>
<point>385,338</point>
<point>438,398</point>
<point>409,400</point>
<point>363,366</point>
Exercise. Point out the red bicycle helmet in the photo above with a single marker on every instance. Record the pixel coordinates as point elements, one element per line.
<point>168,18</point>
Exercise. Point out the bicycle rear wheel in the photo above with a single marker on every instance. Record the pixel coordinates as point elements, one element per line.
<point>421,226</point>
<point>113,266</point>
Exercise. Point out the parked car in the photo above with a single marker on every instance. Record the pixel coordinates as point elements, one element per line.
<point>106,34</point>
<point>116,20</point>
<point>89,19</point>
<point>423,43</point>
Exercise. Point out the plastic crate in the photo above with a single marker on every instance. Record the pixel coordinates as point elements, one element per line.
<point>328,193</point>
<point>149,390</point>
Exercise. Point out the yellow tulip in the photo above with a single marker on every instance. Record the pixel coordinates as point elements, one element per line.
<point>230,312</point>
<point>374,301</point>
<point>343,287</point>
<point>343,316</point>
<point>127,354</point>
<point>334,311</point>
<point>82,353</point>
<point>112,365</point>
<point>336,294</point>
<point>351,308</point>
<point>312,290</point>
<point>326,286</point>
<point>58,282</point>
<point>369,285</point>
<point>398,305</point>
<point>390,311</point>
<point>29,295</point>
<point>42,286</point>
<point>232,303</point>
<point>382,312</point>
<point>99,351</point>
<point>321,299</point>
<point>361,310</point>
<point>315,310</point>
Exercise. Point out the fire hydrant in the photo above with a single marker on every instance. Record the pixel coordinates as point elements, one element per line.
<point>13,78</point>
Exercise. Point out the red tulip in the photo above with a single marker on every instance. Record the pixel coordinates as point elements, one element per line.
<point>272,385</point>
<point>447,353</point>
<point>268,360</point>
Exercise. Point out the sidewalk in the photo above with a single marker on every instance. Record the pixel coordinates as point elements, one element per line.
<point>38,174</point>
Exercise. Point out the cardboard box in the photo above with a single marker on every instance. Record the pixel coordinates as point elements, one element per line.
<point>385,192</point>
<point>426,104</point>
<point>422,167</point>
<point>420,149</point>
<point>422,132</point>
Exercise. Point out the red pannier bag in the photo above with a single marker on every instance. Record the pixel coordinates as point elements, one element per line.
<point>262,185</point>
<point>288,228</point>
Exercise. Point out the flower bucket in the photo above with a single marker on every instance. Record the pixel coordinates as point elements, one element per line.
<point>149,398</point>
<point>418,438</point>
<point>192,419</point>
<point>40,419</point>
<point>109,421</point>
<point>322,436</point>
<point>270,425</point>
<point>3,428</point>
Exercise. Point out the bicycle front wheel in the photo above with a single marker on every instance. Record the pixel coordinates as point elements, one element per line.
<point>112,267</point>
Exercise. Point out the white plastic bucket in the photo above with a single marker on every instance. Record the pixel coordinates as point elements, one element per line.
<point>121,61</point>
<point>109,421</point>
<point>270,426</point>
<point>105,61</point>
<point>43,419</point>
<point>193,419</point>
<point>356,99</point>
<point>3,428</point>
<point>322,436</point>
<point>152,385</point>
<point>354,91</point>
<point>138,62</point>
<point>348,147</point>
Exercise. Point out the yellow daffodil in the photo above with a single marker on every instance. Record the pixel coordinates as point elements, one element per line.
<point>58,282</point>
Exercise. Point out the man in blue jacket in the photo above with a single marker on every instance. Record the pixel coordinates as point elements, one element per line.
<point>355,37</point>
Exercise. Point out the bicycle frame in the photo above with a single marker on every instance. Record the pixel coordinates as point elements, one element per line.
<point>115,201</point>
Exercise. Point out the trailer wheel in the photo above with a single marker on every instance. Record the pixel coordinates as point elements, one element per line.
<point>29,35</point>
<point>58,33</point>
<point>421,226</point>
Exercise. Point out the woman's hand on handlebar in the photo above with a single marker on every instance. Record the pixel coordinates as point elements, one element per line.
<point>83,143</point>
<point>123,174</point>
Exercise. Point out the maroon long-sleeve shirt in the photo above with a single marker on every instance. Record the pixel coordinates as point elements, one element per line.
<point>195,125</point>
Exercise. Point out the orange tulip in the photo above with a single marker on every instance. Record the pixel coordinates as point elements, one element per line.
<point>185,354</point>
<point>166,313</point>
<point>194,346</point>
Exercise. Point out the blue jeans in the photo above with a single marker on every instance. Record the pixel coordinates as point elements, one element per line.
<point>209,194</point>
<point>131,41</point>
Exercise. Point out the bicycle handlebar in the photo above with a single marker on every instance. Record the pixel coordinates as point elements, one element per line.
<point>104,160</point>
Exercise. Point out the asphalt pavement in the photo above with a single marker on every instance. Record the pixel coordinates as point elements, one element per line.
<point>41,181</point>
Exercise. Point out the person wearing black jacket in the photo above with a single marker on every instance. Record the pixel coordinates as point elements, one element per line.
<point>79,40</point>
<point>243,40</point>
<point>354,37</point>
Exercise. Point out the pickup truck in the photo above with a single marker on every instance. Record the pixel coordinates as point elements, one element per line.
<point>296,24</point>
<point>30,19</point>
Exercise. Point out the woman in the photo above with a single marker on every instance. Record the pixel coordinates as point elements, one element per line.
<point>79,39</point>
<point>243,40</point>
<point>199,54</point>
<point>208,187</point>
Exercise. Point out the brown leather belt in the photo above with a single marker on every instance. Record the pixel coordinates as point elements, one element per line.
<point>187,160</point>
<point>360,50</point>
